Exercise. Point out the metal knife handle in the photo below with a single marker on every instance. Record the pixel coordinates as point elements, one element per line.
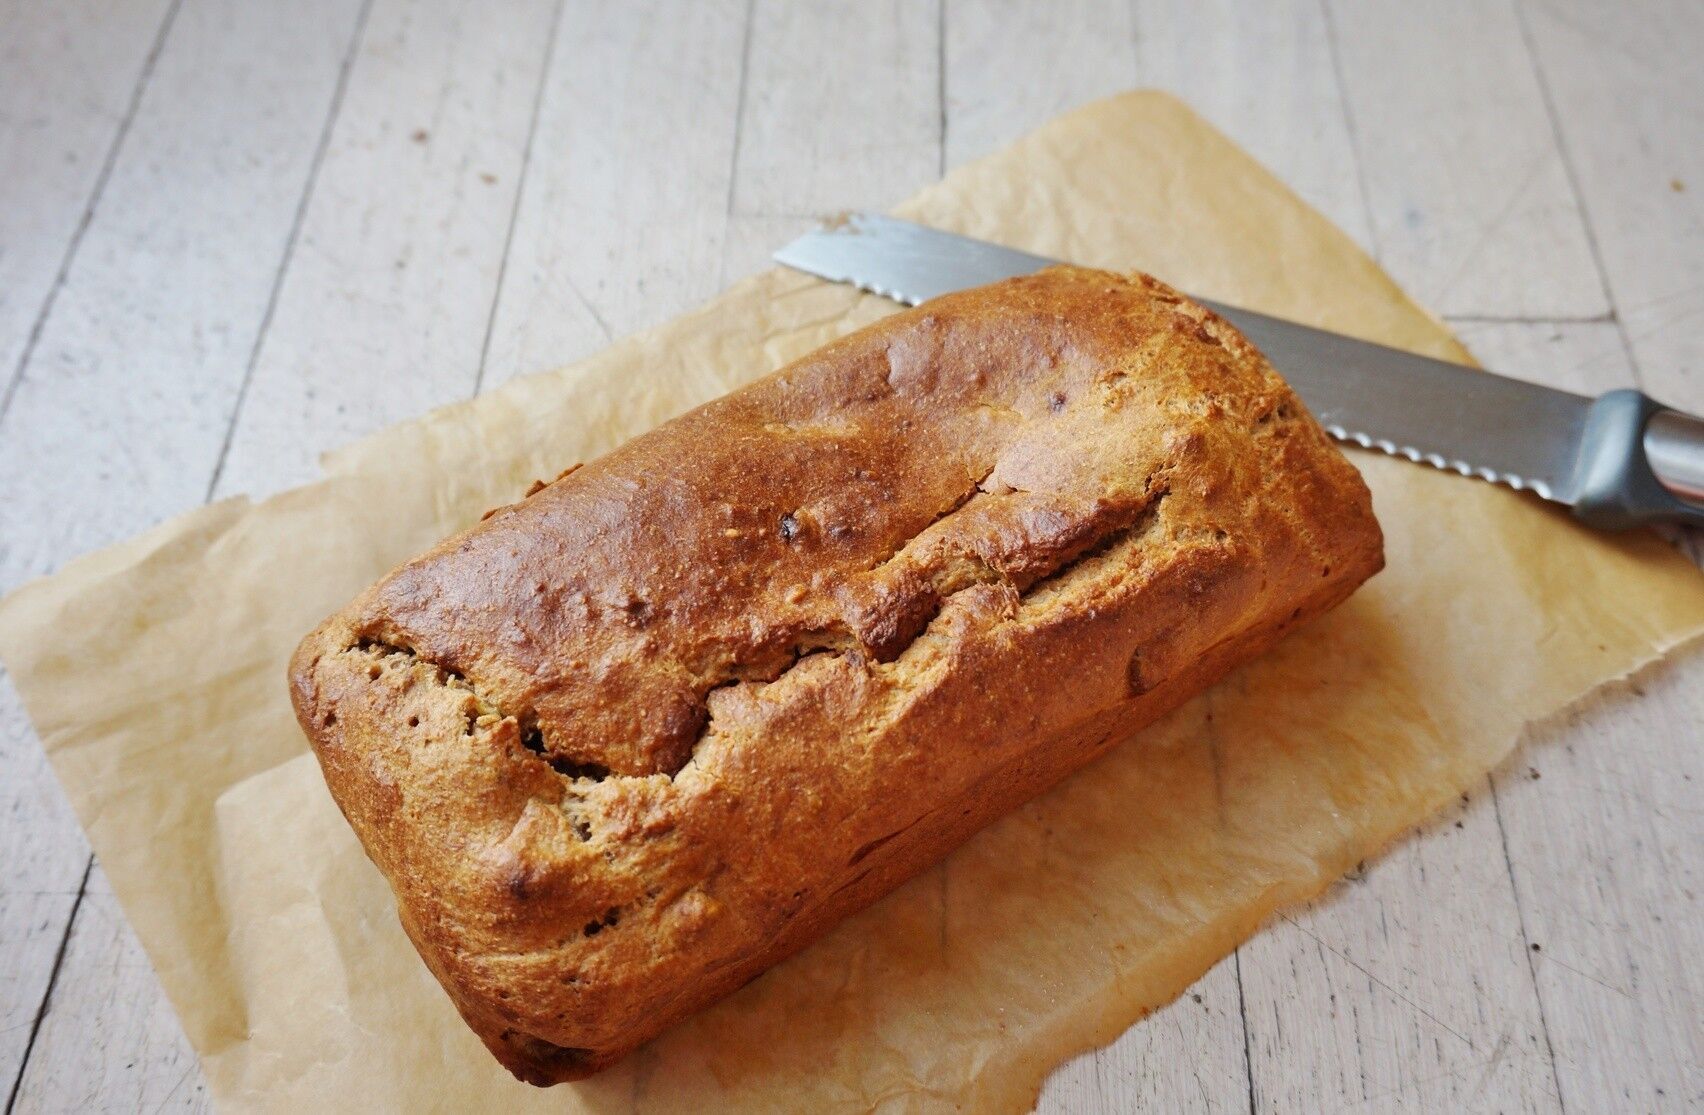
<point>1640,462</point>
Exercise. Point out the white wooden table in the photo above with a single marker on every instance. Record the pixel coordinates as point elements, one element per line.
<point>234,234</point>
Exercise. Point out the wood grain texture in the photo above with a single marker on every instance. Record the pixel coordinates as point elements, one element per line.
<point>1010,66</point>
<point>383,310</point>
<point>1604,828</point>
<point>121,410</point>
<point>1471,205</point>
<point>1524,160</point>
<point>1264,74</point>
<point>69,77</point>
<point>1599,812</point>
<point>624,211</point>
<point>1626,92</point>
<point>45,858</point>
<point>1406,986</point>
<point>138,1058</point>
<point>840,109</point>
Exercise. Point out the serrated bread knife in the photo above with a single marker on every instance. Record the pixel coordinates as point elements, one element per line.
<point>1618,460</point>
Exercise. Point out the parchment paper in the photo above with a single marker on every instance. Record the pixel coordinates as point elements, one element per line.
<point>154,673</point>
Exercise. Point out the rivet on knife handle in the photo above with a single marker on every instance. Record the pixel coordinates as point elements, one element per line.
<point>1639,462</point>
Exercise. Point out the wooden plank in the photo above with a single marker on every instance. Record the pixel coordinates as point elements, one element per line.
<point>45,857</point>
<point>106,1043</point>
<point>384,309</point>
<point>623,214</point>
<point>1011,66</point>
<point>1471,205</point>
<point>1405,987</point>
<point>69,77</point>
<point>1602,837</point>
<point>1263,73</point>
<point>841,109</point>
<point>1605,836</point>
<point>1607,839</point>
<point>1627,93</point>
<point>120,411</point>
<point>124,405</point>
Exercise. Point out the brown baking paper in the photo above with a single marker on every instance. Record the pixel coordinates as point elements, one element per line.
<point>154,673</point>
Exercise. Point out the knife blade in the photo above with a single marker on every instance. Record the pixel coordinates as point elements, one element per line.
<point>1617,460</point>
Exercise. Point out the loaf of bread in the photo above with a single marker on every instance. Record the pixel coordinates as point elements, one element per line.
<point>627,743</point>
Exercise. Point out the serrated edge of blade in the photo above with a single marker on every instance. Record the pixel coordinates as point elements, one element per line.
<point>881,291</point>
<point>782,255</point>
<point>1540,488</point>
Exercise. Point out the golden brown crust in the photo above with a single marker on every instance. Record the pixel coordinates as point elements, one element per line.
<point>625,744</point>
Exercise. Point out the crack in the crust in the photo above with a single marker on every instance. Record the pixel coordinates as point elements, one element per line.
<point>837,637</point>
<point>776,661</point>
<point>960,571</point>
<point>958,503</point>
<point>533,740</point>
<point>954,570</point>
<point>486,712</point>
<point>1145,518</point>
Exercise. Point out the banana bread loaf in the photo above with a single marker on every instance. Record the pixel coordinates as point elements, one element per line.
<point>625,744</point>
